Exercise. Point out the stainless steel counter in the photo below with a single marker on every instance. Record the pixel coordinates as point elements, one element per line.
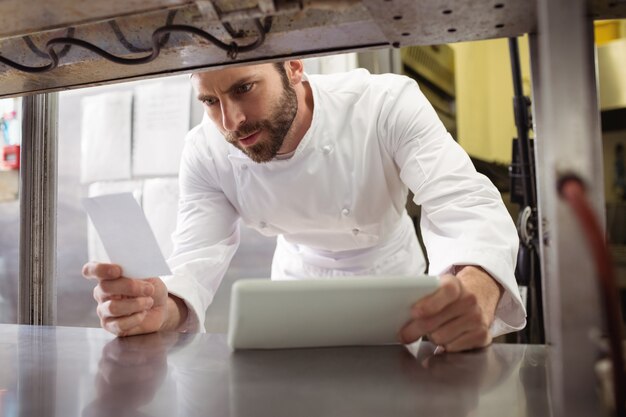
<point>61,371</point>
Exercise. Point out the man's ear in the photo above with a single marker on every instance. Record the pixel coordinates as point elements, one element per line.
<point>295,71</point>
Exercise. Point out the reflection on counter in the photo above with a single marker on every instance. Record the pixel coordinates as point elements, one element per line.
<point>129,373</point>
<point>371,381</point>
<point>56,371</point>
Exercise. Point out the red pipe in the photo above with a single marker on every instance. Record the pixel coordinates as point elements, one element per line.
<point>572,190</point>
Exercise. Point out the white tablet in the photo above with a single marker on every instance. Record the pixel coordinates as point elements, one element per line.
<point>351,311</point>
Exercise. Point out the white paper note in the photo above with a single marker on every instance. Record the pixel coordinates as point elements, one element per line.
<point>95,248</point>
<point>126,235</point>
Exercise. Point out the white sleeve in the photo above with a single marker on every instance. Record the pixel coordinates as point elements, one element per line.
<point>206,236</point>
<point>464,221</point>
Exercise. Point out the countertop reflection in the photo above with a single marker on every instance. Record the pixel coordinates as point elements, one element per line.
<point>61,371</point>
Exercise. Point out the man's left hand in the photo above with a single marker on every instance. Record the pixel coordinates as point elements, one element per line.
<point>458,315</point>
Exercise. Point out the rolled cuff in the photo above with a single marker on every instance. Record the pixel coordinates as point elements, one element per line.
<point>510,314</point>
<point>193,298</point>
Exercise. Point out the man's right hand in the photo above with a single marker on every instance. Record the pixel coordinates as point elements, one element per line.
<point>128,306</point>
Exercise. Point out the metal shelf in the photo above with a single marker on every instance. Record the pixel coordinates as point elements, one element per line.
<point>299,28</point>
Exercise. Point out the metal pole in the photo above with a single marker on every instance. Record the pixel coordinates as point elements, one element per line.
<point>38,203</point>
<point>528,263</point>
<point>522,123</point>
<point>568,141</point>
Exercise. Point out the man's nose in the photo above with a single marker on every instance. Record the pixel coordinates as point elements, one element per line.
<point>232,116</point>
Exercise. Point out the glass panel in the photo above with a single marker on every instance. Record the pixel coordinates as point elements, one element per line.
<point>99,154</point>
<point>10,138</point>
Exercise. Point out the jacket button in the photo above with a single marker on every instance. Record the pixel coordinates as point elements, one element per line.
<point>326,149</point>
<point>345,212</point>
<point>355,231</point>
<point>262,225</point>
<point>244,167</point>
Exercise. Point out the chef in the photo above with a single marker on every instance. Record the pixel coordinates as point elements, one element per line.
<point>324,163</point>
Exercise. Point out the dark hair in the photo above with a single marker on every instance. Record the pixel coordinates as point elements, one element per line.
<point>280,67</point>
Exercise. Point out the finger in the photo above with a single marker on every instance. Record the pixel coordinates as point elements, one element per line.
<point>101,271</point>
<point>428,326</point>
<point>453,329</point>
<point>474,339</point>
<point>411,332</point>
<point>120,326</point>
<point>450,289</point>
<point>107,290</point>
<point>467,304</point>
<point>419,327</point>
<point>123,307</point>
<point>138,330</point>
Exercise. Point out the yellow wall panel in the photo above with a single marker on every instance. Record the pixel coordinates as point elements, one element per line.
<point>607,31</point>
<point>485,97</point>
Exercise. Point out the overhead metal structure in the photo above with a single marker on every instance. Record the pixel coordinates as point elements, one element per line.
<point>66,42</point>
<point>297,28</point>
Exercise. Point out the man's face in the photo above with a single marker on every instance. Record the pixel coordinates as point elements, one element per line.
<point>253,107</point>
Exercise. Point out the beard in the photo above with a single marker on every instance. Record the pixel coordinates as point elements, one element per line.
<point>276,128</point>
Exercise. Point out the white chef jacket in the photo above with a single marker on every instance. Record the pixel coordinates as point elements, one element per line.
<point>337,206</point>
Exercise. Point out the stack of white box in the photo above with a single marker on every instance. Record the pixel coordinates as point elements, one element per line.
<point>131,141</point>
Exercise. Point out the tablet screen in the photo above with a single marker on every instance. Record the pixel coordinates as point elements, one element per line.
<point>353,311</point>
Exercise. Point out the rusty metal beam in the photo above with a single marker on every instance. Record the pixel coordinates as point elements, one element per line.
<point>299,29</point>
<point>183,53</point>
<point>606,9</point>
<point>409,22</point>
<point>22,17</point>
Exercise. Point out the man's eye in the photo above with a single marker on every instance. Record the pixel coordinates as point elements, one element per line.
<point>210,101</point>
<point>243,88</point>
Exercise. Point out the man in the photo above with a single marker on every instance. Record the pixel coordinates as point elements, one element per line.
<point>324,162</point>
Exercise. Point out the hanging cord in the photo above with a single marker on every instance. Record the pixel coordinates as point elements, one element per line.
<point>132,48</point>
<point>572,190</point>
<point>159,38</point>
<point>52,56</point>
<point>42,54</point>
